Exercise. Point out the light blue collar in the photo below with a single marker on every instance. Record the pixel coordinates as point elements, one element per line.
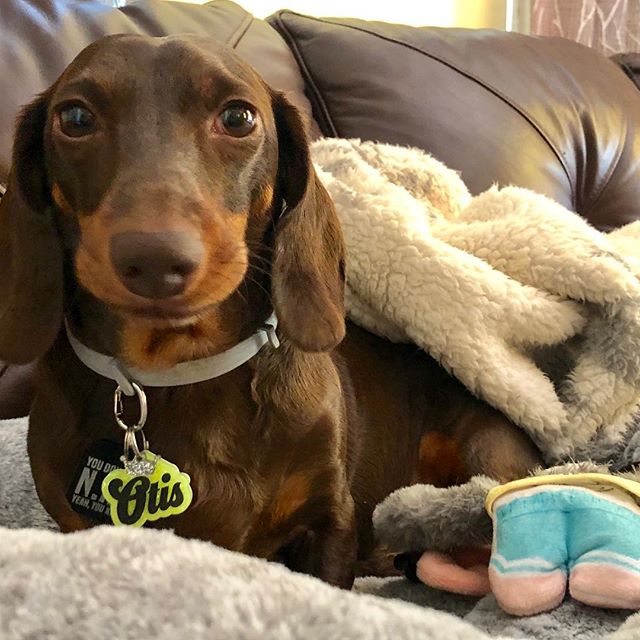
<point>183,373</point>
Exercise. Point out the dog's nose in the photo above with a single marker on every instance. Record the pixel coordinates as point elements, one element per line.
<point>155,265</point>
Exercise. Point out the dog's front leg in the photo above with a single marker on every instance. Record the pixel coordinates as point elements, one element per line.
<point>333,552</point>
<point>328,550</point>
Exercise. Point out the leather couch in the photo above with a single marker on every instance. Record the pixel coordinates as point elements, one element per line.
<point>542,113</point>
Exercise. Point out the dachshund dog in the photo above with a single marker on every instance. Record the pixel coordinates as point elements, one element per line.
<point>162,200</point>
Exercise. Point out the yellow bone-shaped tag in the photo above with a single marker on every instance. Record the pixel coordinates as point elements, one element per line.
<point>136,499</point>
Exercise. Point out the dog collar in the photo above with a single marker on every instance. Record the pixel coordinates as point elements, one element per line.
<point>189,372</point>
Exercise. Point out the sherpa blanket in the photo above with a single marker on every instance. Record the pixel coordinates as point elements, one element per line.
<point>131,584</point>
<point>530,307</point>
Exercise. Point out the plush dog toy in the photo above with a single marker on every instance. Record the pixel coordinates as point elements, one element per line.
<point>574,525</point>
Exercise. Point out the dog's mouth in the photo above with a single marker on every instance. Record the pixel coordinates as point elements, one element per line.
<point>168,315</point>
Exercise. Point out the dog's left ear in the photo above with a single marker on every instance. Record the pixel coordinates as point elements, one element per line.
<point>308,263</point>
<point>30,253</point>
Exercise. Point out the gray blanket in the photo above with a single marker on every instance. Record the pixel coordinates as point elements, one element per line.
<point>132,584</point>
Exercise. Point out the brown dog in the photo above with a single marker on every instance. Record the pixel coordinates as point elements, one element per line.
<point>162,198</point>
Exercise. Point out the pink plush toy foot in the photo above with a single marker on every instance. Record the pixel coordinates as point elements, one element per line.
<point>605,585</point>
<point>524,594</point>
<point>464,572</point>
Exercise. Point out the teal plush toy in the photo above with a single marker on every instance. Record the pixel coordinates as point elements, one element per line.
<point>574,528</point>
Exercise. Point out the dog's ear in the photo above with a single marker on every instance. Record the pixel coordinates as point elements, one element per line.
<point>308,262</point>
<point>30,252</point>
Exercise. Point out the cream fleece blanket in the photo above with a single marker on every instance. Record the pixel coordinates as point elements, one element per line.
<point>531,308</point>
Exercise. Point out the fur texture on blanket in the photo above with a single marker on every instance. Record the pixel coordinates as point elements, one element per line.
<point>531,308</point>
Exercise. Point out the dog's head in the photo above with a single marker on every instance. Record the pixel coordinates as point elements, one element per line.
<point>170,187</point>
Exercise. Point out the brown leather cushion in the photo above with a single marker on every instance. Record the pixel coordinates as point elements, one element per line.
<point>543,113</point>
<point>38,38</point>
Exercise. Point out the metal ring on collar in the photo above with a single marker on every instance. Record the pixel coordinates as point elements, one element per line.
<point>131,445</point>
<point>118,408</point>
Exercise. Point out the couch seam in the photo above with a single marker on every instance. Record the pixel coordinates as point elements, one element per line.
<point>526,116</point>
<point>234,39</point>
<point>629,72</point>
<point>317,98</point>
<point>606,180</point>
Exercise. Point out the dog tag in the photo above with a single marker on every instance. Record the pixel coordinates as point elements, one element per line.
<point>84,494</point>
<point>148,488</point>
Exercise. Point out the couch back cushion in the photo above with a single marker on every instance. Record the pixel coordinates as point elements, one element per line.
<point>542,113</point>
<point>38,38</point>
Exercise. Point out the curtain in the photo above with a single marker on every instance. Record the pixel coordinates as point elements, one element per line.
<point>611,26</point>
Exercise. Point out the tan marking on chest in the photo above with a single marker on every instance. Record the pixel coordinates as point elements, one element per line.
<point>440,461</point>
<point>291,495</point>
<point>149,347</point>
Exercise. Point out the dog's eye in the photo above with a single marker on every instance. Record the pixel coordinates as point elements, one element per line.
<point>77,121</point>
<point>238,119</point>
